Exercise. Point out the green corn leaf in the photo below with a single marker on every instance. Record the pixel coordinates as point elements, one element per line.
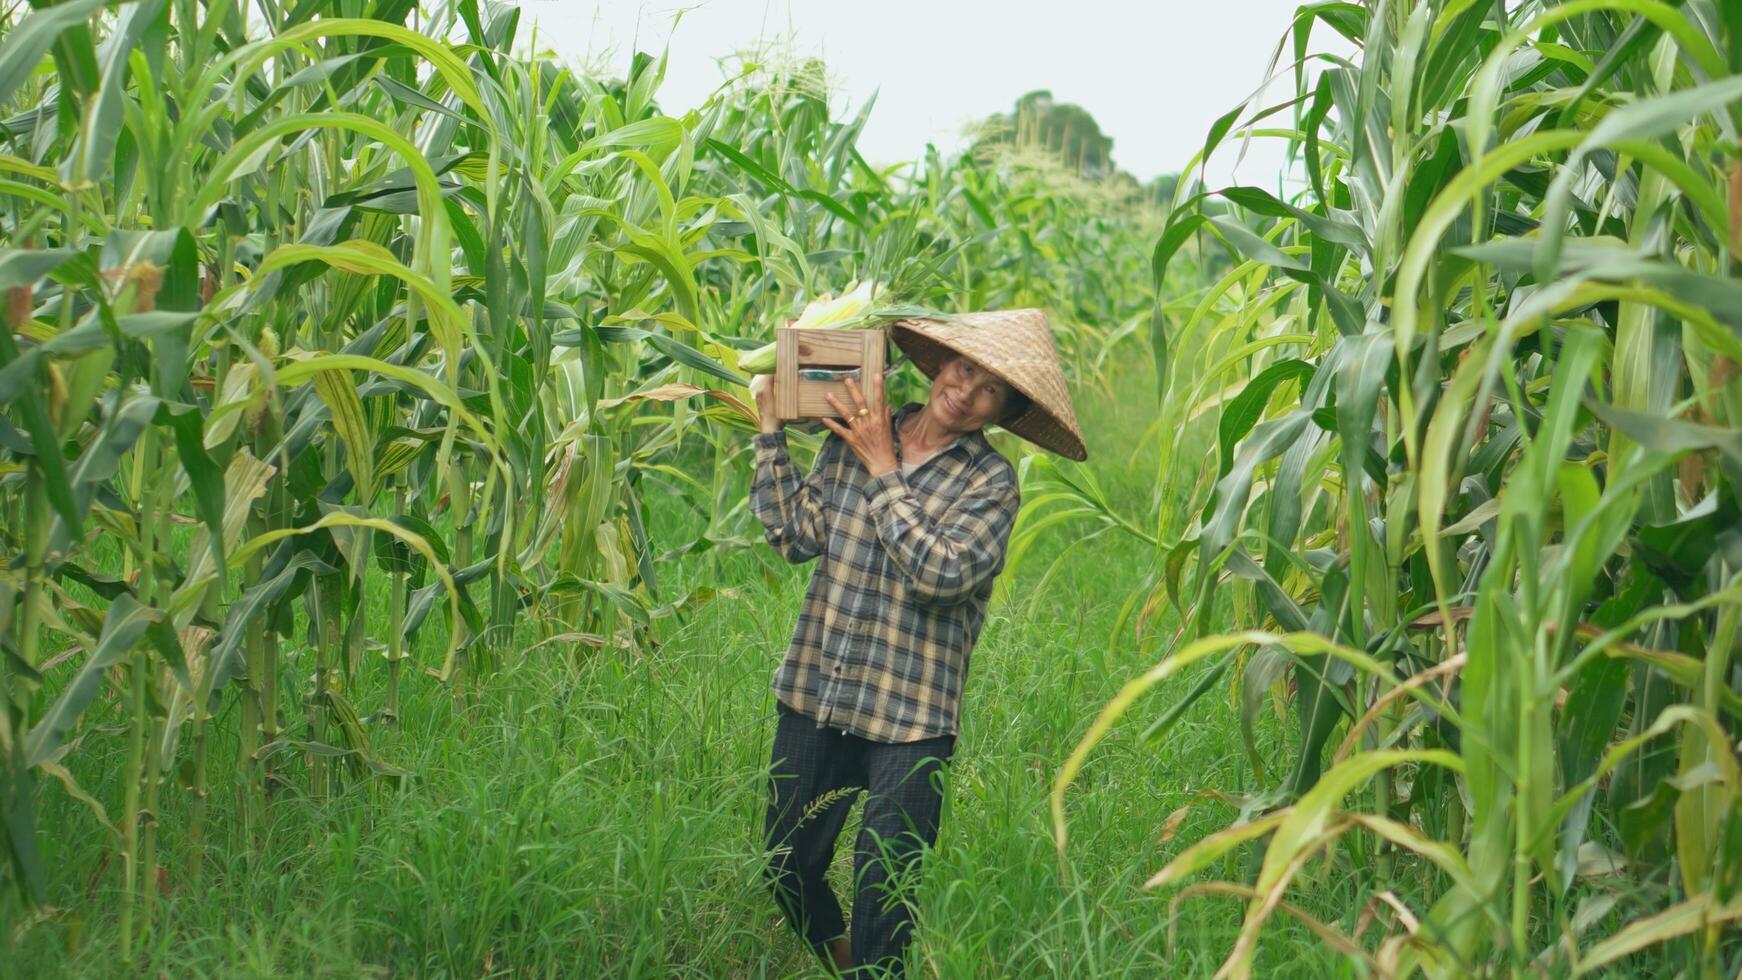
<point>1644,120</point>
<point>94,155</point>
<point>349,421</point>
<point>34,35</point>
<point>123,626</point>
<point>204,476</point>
<point>1206,852</point>
<point>287,570</point>
<point>45,443</point>
<point>688,356</point>
<point>17,794</point>
<point>1246,408</point>
<point>25,266</point>
<point>1683,918</point>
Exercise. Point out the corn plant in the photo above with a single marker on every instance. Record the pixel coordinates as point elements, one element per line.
<point>1467,416</point>
<point>263,276</point>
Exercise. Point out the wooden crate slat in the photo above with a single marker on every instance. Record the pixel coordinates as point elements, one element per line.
<point>786,374</point>
<point>830,348</point>
<point>795,398</point>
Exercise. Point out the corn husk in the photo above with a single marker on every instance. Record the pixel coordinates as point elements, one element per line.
<point>847,311</point>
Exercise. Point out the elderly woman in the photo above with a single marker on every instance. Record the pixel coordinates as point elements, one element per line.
<point>909,511</point>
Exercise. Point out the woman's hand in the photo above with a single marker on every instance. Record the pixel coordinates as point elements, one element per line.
<point>762,390</point>
<point>865,427</point>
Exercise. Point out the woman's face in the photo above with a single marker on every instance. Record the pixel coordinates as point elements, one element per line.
<point>966,397</point>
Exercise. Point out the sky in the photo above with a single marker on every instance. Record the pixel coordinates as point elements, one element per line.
<point>1154,73</point>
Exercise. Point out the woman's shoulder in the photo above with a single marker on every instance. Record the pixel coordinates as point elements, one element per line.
<point>989,466</point>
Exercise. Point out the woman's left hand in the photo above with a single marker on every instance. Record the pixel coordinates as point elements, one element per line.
<point>865,427</point>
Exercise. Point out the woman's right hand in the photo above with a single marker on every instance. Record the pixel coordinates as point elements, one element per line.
<point>762,390</point>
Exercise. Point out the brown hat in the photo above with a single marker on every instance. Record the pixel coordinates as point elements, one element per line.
<point>1015,345</point>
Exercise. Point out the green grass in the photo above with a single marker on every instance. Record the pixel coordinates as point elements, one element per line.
<point>596,813</point>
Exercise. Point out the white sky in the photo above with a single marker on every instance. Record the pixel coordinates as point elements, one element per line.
<point>1154,73</point>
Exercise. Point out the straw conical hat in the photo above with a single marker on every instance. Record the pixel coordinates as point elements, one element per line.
<point>1015,345</point>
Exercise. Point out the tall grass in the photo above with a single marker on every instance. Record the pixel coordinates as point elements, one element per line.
<point>1469,411</point>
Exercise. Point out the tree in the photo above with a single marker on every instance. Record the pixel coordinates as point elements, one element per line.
<point>1065,129</point>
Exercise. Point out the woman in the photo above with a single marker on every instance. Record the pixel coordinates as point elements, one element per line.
<point>909,512</point>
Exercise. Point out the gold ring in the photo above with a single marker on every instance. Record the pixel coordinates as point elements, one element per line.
<point>863,412</point>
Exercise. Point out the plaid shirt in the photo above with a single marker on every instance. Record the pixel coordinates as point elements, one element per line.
<point>895,605</point>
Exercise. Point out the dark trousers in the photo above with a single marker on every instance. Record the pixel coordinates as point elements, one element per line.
<point>816,775</point>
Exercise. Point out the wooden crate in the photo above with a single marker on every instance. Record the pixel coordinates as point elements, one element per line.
<point>794,350</point>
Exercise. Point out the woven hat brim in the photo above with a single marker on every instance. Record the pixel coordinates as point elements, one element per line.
<point>1050,427</point>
